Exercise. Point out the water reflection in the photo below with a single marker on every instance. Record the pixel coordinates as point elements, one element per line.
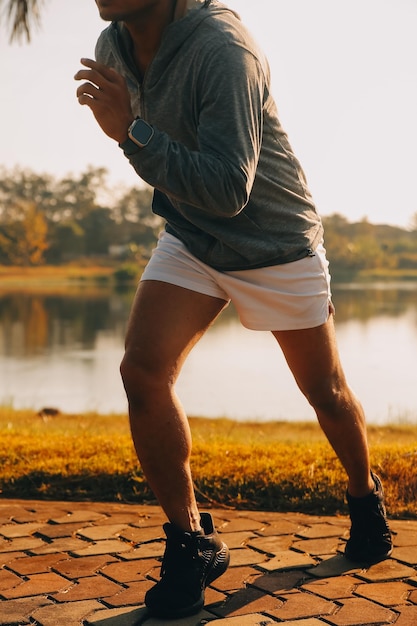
<point>362,301</point>
<point>35,323</point>
<point>63,349</point>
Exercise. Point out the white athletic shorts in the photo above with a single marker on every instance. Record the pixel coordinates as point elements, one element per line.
<point>291,296</point>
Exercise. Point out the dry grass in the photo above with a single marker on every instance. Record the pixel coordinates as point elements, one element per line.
<point>42,273</point>
<point>59,280</point>
<point>277,466</point>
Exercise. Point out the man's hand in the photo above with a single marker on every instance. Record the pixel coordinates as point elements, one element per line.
<point>106,93</point>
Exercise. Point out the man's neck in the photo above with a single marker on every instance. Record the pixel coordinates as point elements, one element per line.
<point>146,32</point>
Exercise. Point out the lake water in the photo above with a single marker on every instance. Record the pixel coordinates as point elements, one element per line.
<point>62,349</point>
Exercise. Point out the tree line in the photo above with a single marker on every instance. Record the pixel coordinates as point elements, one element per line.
<point>49,220</point>
<point>44,219</point>
<point>357,246</point>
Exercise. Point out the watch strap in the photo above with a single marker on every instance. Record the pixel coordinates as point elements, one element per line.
<point>129,147</point>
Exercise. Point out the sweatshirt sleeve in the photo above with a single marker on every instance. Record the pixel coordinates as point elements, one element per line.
<point>218,176</point>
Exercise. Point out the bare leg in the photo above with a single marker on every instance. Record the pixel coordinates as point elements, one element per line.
<point>165,323</point>
<point>313,358</point>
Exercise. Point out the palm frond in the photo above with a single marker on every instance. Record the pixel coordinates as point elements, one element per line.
<point>21,16</point>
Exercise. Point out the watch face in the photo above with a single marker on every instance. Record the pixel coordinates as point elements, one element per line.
<point>141,132</point>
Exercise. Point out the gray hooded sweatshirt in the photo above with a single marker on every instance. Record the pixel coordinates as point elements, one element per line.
<point>224,175</point>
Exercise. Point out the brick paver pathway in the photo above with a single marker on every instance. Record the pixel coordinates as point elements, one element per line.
<point>68,564</point>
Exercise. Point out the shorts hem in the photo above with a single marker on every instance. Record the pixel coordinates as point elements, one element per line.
<point>303,325</point>
<point>187,284</point>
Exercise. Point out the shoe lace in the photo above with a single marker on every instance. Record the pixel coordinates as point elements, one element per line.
<point>182,556</point>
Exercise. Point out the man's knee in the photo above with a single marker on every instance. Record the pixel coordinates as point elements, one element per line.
<point>141,379</point>
<point>330,397</point>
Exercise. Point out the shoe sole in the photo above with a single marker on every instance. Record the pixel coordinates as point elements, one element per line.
<point>370,560</point>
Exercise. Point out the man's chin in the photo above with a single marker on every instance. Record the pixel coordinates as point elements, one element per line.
<point>107,16</point>
<point>105,11</point>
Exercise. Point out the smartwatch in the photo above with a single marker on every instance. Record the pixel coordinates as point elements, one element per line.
<point>140,132</point>
<point>139,135</point>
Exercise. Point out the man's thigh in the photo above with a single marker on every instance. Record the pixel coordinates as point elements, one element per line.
<point>313,357</point>
<point>165,322</point>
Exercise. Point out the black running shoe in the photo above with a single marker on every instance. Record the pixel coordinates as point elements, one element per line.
<point>370,538</point>
<point>191,562</point>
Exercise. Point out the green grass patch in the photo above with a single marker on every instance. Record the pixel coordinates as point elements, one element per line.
<point>272,466</point>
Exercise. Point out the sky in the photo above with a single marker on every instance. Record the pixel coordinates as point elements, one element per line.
<point>343,75</point>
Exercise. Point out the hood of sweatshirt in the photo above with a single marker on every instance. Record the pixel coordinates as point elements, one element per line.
<point>114,44</point>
